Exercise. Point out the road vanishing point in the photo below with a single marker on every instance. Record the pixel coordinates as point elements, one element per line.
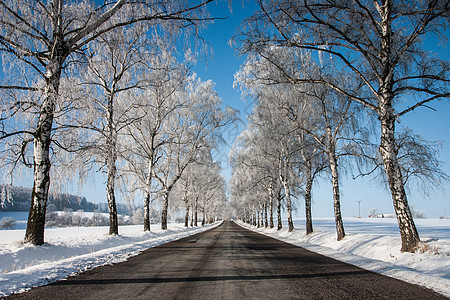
<point>229,262</point>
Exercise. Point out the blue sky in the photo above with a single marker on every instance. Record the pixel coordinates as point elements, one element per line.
<point>223,63</point>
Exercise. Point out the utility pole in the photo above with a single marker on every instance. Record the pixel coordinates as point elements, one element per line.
<point>359,209</point>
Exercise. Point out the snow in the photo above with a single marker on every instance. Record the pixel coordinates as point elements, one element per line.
<point>71,250</point>
<point>374,244</point>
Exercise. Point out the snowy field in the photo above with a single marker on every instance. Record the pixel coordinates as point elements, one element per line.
<point>71,250</point>
<point>374,244</point>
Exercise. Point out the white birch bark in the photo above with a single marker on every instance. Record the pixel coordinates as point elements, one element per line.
<point>165,210</point>
<point>36,219</point>
<point>266,224</point>
<point>380,45</point>
<point>196,212</point>
<point>147,197</point>
<point>271,208</point>
<point>331,151</point>
<point>279,223</point>
<point>408,231</point>
<point>308,189</point>
<point>287,194</point>
<point>111,146</point>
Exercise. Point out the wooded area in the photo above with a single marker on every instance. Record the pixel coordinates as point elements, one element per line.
<point>108,87</point>
<point>100,87</point>
<point>323,74</point>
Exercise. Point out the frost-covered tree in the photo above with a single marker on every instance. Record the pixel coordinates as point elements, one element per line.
<point>267,160</point>
<point>157,104</point>
<point>202,187</point>
<point>115,68</point>
<point>185,188</point>
<point>330,119</point>
<point>255,182</point>
<point>7,223</point>
<point>190,129</point>
<point>6,196</point>
<point>263,82</point>
<point>39,39</point>
<point>3,197</point>
<point>378,44</point>
<point>254,174</point>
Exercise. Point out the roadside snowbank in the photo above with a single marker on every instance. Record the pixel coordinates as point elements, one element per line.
<point>72,250</point>
<point>374,244</point>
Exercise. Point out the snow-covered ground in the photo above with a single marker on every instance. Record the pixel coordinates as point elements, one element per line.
<point>71,250</point>
<point>374,244</point>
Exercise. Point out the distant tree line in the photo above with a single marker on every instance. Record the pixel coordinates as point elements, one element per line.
<point>14,198</point>
<point>7,223</point>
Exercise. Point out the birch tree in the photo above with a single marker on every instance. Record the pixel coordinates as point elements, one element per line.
<point>191,129</point>
<point>157,104</point>
<point>378,44</point>
<point>44,37</point>
<point>273,153</point>
<point>207,187</point>
<point>262,81</point>
<point>185,183</point>
<point>116,64</point>
<point>255,167</point>
<point>285,153</point>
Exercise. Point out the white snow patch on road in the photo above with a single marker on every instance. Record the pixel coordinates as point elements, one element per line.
<point>374,244</point>
<point>72,250</point>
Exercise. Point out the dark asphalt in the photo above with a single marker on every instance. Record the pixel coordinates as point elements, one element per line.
<point>229,262</point>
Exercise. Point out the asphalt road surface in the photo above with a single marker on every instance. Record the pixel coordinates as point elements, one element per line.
<point>229,262</point>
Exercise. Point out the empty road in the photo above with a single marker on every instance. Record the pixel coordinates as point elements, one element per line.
<point>229,262</point>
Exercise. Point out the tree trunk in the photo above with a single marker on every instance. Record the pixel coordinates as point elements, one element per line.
<point>192,218</point>
<point>42,139</point>
<point>148,190</point>
<point>308,189</point>
<point>111,146</point>
<point>336,194</point>
<point>287,194</point>
<point>279,224</point>
<point>271,208</point>
<point>147,212</point>
<point>203,217</point>
<point>186,203</point>
<point>113,221</point>
<point>287,191</point>
<point>408,231</point>
<point>195,213</point>
<point>164,211</point>
<point>266,224</point>
<point>257,218</point>
<point>261,216</point>
<point>186,217</point>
